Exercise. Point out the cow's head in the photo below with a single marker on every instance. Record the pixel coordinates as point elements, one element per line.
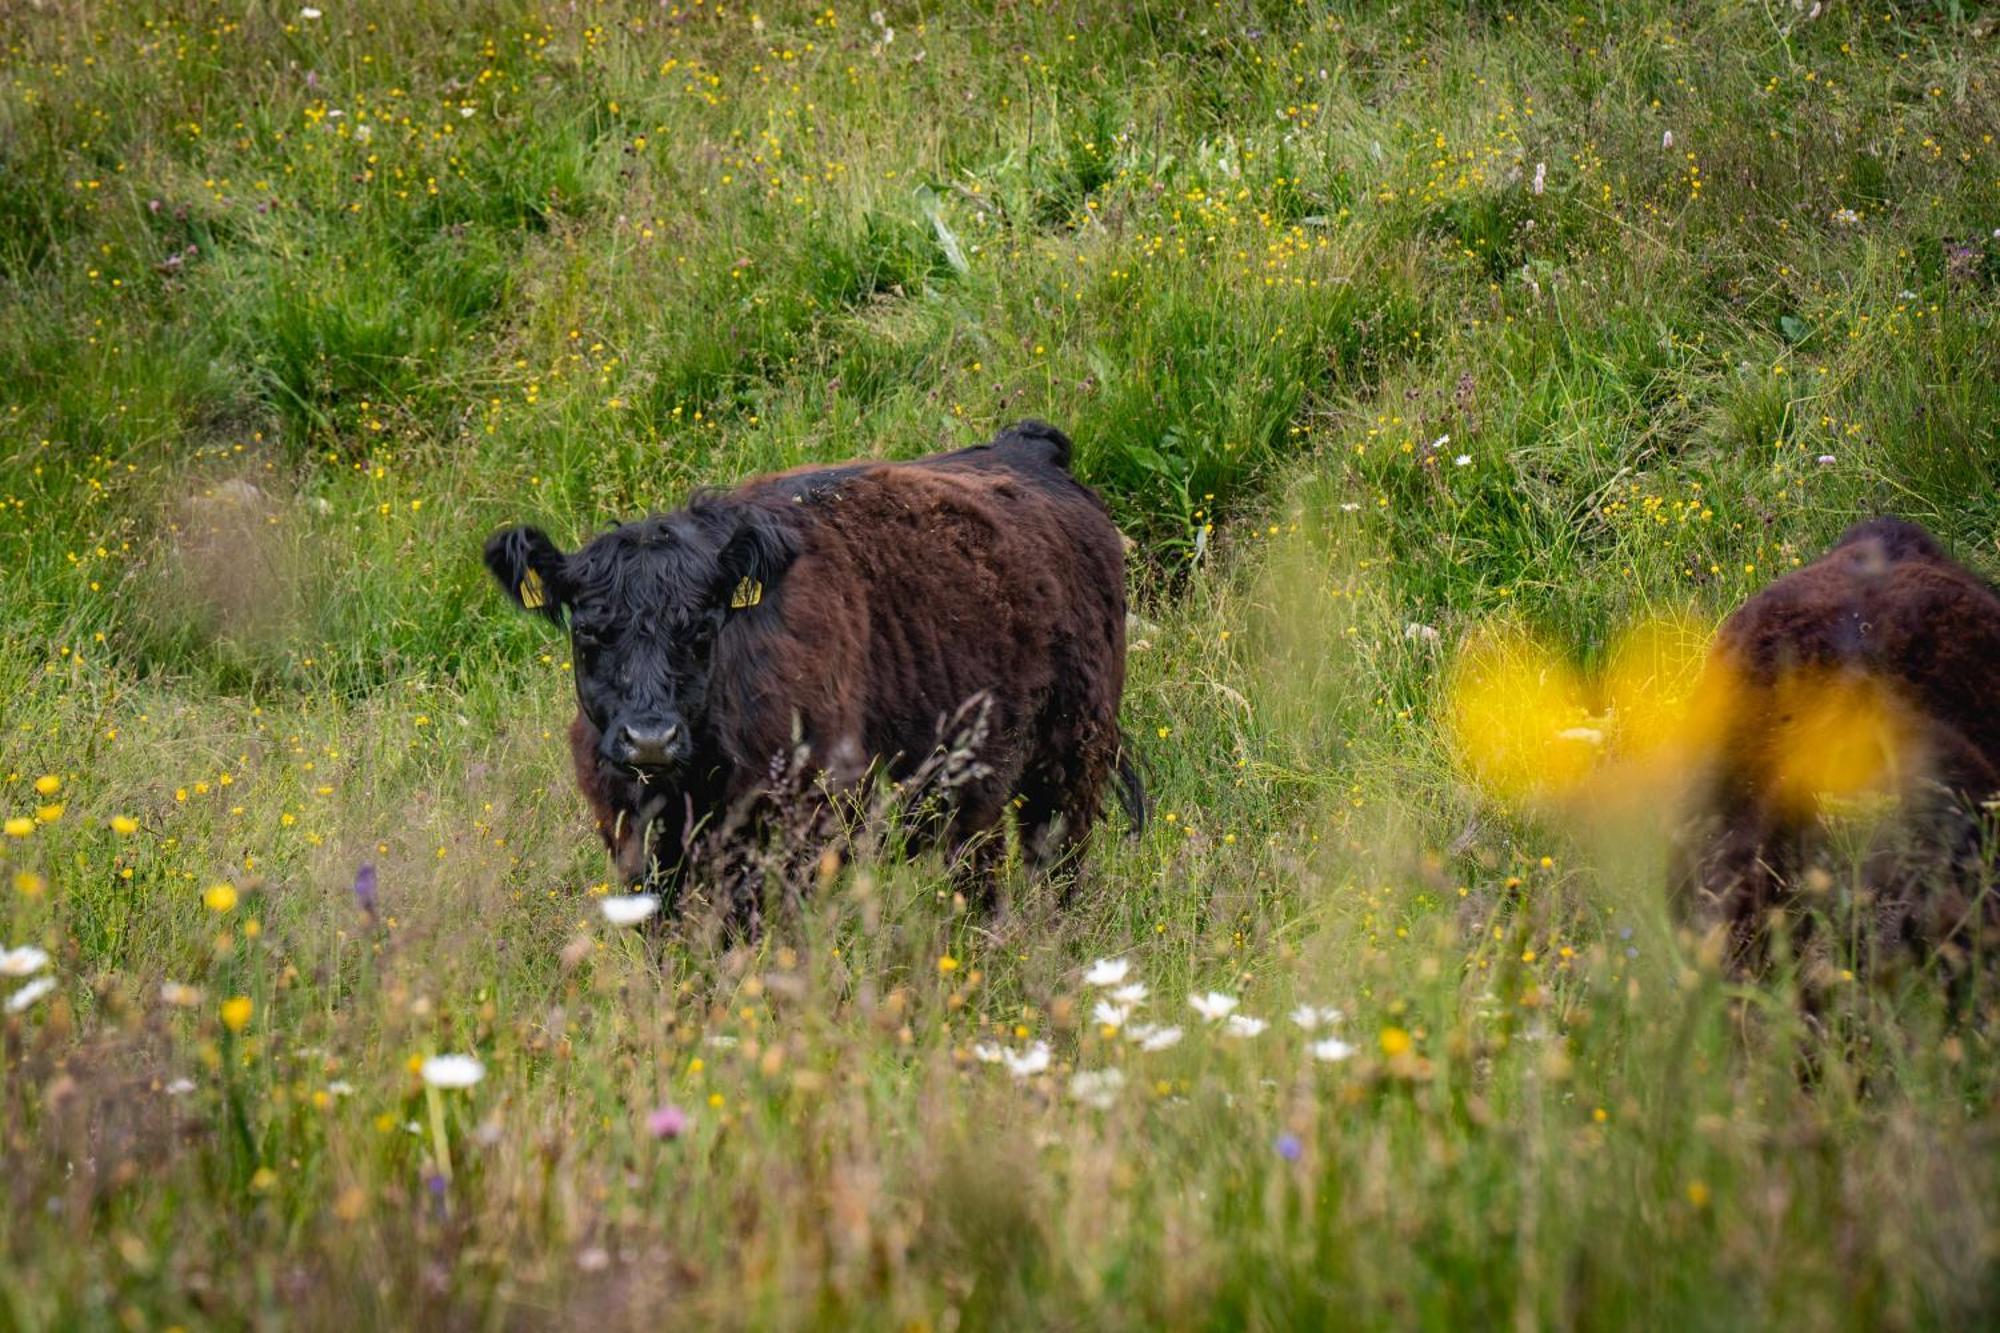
<point>644,603</point>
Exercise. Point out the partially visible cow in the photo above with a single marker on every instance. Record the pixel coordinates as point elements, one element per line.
<point>1872,674</point>
<point>849,614</point>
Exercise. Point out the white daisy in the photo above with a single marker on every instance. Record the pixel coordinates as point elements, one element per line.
<point>1214,1006</point>
<point>1332,1050</point>
<point>1028,1063</point>
<point>453,1071</point>
<point>1107,972</point>
<point>23,962</point>
<point>628,909</point>
<point>1242,1025</point>
<point>1097,1088</point>
<point>29,993</point>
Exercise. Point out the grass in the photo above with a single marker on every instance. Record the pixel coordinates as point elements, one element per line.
<point>1453,316</point>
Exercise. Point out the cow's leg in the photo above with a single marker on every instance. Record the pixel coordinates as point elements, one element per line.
<point>976,843</point>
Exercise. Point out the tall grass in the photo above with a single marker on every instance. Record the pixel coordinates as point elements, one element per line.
<point>1376,326</point>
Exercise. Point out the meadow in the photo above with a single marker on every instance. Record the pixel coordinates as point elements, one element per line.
<point>1382,329</point>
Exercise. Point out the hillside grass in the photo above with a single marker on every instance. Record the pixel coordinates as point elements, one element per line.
<point>1368,320</point>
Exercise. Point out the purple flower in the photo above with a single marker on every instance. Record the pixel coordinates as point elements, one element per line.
<point>1289,1147</point>
<point>669,1122</point>
<point>364,890</point>
<point>435,1183</point>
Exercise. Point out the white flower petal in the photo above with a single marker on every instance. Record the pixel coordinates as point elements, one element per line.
<point>1332,1050</point>
<point>1107,972</point>
<point>29,993</point>
<point>1097,1088</point>
<point>1030,1062</point>
<point>180,1087</point>
<point>23,962</point>
<point>1242,1025</point>
<point>628,909</point>
<point>453,1071</point>
<point>1109,1015</point>
<point>1214,1006</point>
<point>1310,1017</point>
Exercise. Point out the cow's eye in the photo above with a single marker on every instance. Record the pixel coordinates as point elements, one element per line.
<point>588,637</point>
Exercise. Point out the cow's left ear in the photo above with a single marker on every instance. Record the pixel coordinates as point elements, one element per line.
<point>532,570</point>
<point>753,558</point>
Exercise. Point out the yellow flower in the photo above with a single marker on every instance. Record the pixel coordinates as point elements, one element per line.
<point>1698,1194</point>
<point>50,813</point>
<point>20,826</point>
<point>263,1180</point>
<point>48,784</point>
<point>236,1012</point>
<point>124,824</point>
<point>28,884</point>
<point>1395,1042</point>
<point>220,897</point>
<point>947,963</point>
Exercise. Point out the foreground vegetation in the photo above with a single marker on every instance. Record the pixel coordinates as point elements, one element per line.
<point>1376,325</point>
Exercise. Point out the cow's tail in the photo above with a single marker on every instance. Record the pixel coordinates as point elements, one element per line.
<point>1041,432</point>
<point>1131,784</point>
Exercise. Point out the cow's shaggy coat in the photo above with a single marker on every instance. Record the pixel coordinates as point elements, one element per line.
<point>849,614</point>
<point>1876,667</point>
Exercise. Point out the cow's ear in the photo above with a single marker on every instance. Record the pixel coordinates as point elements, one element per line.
<point>753,558</point>
<point>531,568</point>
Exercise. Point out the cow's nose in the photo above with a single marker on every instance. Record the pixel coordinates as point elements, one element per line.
<point>651,745</point>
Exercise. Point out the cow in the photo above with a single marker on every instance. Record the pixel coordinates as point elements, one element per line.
<point>861,616</point>
<point>1873,675</point>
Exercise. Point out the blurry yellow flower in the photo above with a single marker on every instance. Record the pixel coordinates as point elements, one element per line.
<point>50,813</point>
<point>1698,1193</point>
<point>28,884</point>
<point>48,784</point>
<point>1517,717</point>
<point>263,1181</point>
<point>947,963</point>
<point>1394,1042</point>
<point>220,897</point>
<point>124,824</point>
<point>19,826</point>
<point>236,1012</point>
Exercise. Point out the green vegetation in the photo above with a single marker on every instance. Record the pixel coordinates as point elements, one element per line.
<point>1363,317</point>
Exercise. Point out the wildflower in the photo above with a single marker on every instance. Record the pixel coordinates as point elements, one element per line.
<point>987,1053</point>
<point>50,813</point>
<point>452,1071</point>
<point>628,909</point>
<point>946,963</point>
<point>1242,1025</point>
<point>28,884</point>
<point>1541,177</point>
<point>23,962</point>
<point>667,1122</point>
<point>1107,972</point>
<point>19,827</point>
<point>1097,1088</point>
<point>124,825</point>
<point>1214,1006</point>
<point>180,1087</point>
<point>1394,1042</point>
<point>309,13</point>
<point>1151,1037</point>
<point>1420,633</point>
<point>48,784</point>
<point>236,1012</point>
<point>180,995</point>
<point>1333,1050</point>
<point>340,1087</point>
<point>364,890</point>
<point>1666,140</point>
<point>1027,1063</point>
<point>1698,1193</point>
<point>1131,996</point>
<point>1307,1017</point>
<point>1825,460</point>
<point>29,993</point>
<point>220,897</point>
<point>1289,1147</point>
<point>1847,217</point>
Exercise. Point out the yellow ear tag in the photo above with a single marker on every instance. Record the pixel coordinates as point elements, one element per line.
<point>532,596</point>
<point>748,593</point>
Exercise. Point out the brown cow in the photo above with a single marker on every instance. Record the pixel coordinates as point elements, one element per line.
<point>863,615</point>
<point>1873,672</point>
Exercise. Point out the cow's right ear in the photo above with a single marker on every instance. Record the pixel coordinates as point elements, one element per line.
<point>532,570</point>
